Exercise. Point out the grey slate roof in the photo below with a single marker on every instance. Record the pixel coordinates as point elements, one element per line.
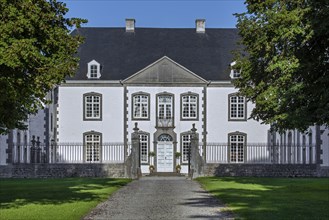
<point>122,54</point>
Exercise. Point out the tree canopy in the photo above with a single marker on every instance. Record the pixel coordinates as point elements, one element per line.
<point>285,61</point>
<point>36,53</point>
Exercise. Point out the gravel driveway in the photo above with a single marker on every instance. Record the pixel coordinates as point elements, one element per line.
<point>160,198</point>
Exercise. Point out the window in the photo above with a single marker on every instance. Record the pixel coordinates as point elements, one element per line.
<point>92,106</point>
<point>189,107</point>
<point>164,110</point>
<point>237,108</point>
<point>144,148</point>
<point>165,137</point>
<point>237,144</point>
<point>94,70</point>
<point>92,147</point>
<point>185,147</point>
<point>234,72</point>
<point>140,106</point>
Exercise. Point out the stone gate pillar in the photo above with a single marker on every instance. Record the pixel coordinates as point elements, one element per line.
<point>133,166</point>
<point>196,168</point>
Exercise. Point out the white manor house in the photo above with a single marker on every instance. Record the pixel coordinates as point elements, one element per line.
<point>166,80</point>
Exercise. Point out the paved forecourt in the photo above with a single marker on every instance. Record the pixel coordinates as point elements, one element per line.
<point>160,198</point>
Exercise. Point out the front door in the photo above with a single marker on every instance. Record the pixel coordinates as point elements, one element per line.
<point>165,156</point>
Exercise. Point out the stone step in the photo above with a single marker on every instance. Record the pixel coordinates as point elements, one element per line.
<point>165,174</point>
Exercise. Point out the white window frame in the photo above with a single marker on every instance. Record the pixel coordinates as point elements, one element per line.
<point>234,74</point>
<point>165,110</point>
<point>140,106</point>
<point>144,147</point>
<point>237,143</point>
<point>185,147</point>
<point>237,108</point>
<point>187,106</point>
<point>92,143</point>
<point>92,104</point>
<point>94,70</point>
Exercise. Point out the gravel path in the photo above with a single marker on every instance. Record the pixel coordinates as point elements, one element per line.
<point>160,198</point>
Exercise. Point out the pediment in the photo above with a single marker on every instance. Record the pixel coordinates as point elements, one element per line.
<point>165,71</point>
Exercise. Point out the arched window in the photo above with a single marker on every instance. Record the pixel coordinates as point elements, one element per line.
<point>237,144</point>
<point>237,108</point>
<point>140,106</point>
<point>165,109</point>
<point>92,106</point>
<point>144,147</point>
<point>92,143</point>
<point>165,137</point>
<point>189,106</point>
<point>185,146</point>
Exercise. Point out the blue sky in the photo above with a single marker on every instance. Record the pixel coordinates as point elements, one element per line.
<point>156,13</point>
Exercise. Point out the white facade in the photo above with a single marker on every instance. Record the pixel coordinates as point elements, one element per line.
<point>114,116</point>
<point>93,115</point>
<point>71,124</point>
<point>219,125</point>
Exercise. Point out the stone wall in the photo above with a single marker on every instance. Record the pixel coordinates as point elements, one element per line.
<point>265,170</point>
<point>61,170</point>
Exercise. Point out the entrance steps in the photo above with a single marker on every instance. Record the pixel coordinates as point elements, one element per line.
<point>165,174</point>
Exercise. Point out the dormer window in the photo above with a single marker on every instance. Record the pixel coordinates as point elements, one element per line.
<point>93,70</point>
<point>234,72</point>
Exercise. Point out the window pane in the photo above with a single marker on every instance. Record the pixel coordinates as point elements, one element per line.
<point>92,147</point>
<point>189,107</point>
<point>144,148</point>
<point>93,106</point>
<point>185,148</point>
<point>237,148</point>
<point>140,103</point>
<point>237,107</point>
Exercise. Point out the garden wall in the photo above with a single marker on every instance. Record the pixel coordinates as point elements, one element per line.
<point>61,170</point>
<point>265,170</point>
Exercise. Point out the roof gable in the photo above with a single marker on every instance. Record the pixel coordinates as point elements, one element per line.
<point>163,71</point>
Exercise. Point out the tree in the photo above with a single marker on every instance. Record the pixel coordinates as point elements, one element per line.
<point>36,53</point>
<point>285,61</point>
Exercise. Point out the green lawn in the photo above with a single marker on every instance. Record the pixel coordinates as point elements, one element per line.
<point>68,198</point>
<point>272,198</point>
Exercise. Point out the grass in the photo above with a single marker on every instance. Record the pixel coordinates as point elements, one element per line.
<point>272,198</point>
<point>68,198</point>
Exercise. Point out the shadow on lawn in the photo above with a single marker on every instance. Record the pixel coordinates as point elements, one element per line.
<point>19,192</point>
<point>274,198</point>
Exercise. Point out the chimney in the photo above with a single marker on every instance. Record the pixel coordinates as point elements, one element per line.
<point>200,26</point>
<point>130,25</point>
